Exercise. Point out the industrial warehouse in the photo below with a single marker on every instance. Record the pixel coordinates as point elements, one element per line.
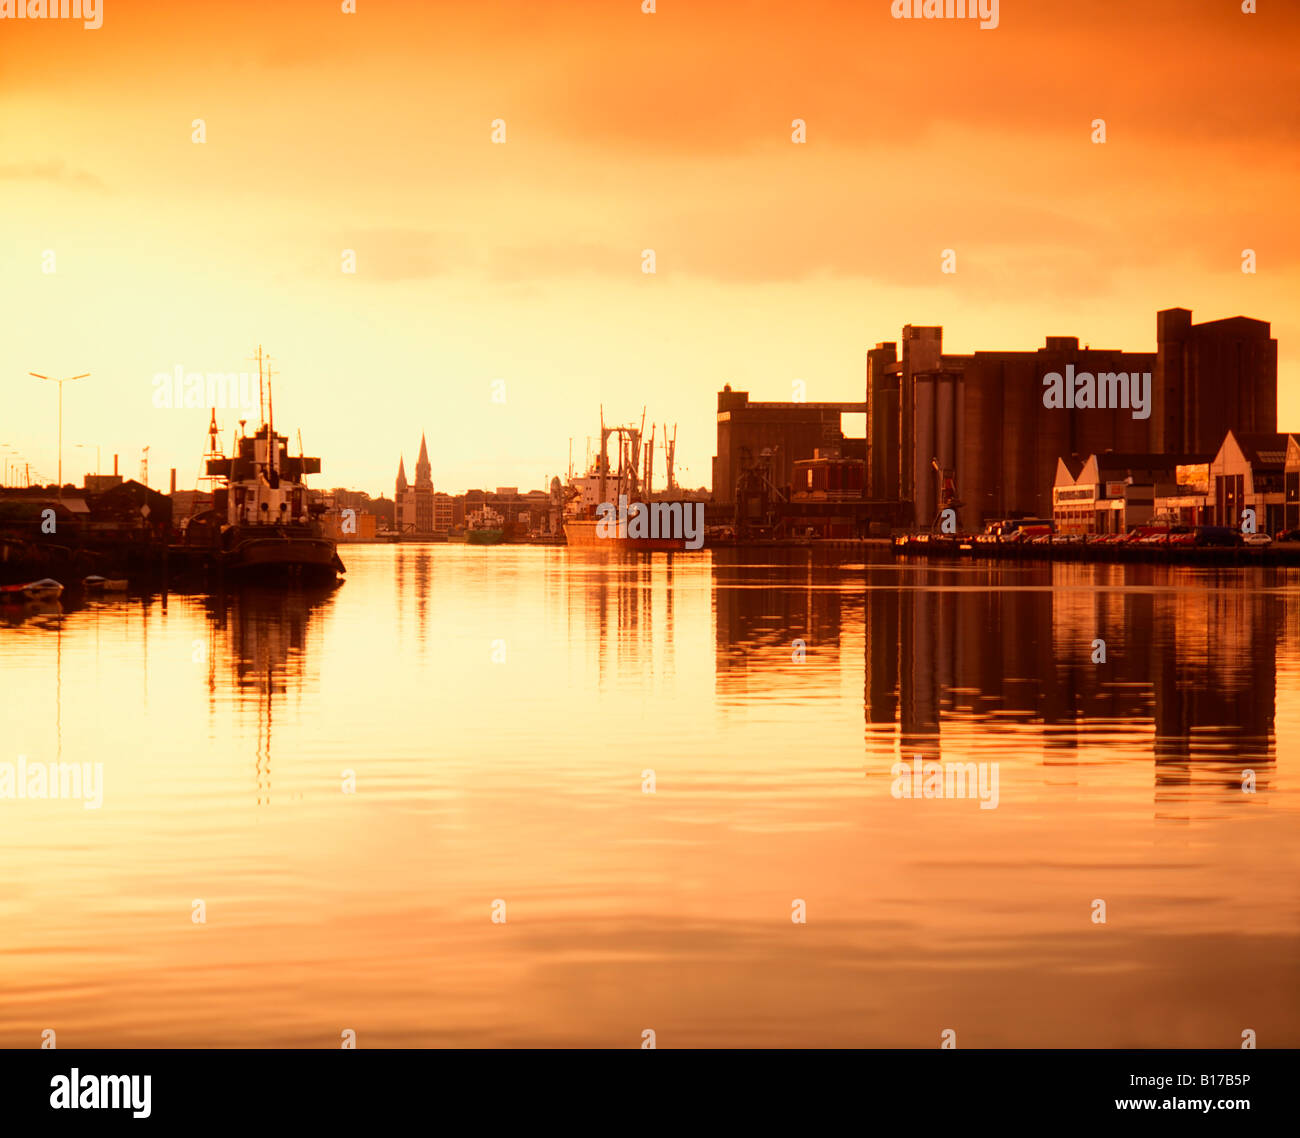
<point>974,434</point>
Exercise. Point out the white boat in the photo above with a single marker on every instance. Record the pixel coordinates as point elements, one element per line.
<point>46,589</point>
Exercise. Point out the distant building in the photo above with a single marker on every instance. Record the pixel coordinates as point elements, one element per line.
<point>826,491</point>
<point>776,436</point>
<point>1249,473</point>
<point>520,514</point>
<point>187,503</point>
<point>414,504</point>
<point>1111,493</point>
<point>983,417</point>
<point>443,513</point>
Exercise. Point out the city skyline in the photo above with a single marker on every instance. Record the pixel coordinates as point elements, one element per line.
<point>776,261</point>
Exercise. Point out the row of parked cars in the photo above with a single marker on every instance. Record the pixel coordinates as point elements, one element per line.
<point>1143,535</point>
<point>1040,532</point>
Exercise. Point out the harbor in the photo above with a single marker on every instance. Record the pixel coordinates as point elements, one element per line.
<point>584,526</point>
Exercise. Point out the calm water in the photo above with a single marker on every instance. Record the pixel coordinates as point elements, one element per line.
<point>499,709</point>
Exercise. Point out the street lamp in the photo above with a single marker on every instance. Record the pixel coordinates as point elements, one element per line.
<point>60,382</point>
<point>11,459</point>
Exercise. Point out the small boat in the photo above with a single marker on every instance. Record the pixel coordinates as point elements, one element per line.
<point>96,583</point>
<point>46,589</point>
<point>485,527</point>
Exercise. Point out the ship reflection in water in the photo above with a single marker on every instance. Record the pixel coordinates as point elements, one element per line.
<point>258,637</point>
<point>351,780</point>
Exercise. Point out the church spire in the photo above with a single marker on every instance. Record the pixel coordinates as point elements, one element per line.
<point>423,471</point>
<point>401,474</point>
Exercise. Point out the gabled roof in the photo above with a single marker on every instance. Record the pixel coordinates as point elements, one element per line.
<point>1267,452</point>
<point>1068,469</point>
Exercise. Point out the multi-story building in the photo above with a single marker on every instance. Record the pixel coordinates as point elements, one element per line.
<point>778,435</point>
<point>988,420</point>
<point>414,510</point>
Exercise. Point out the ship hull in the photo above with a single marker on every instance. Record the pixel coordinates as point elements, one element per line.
<point>484,537</point>
<point>313,558</point>
<point>582,533</point>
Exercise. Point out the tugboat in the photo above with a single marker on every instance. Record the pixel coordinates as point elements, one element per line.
<point>263,522</point>
<point>486,527</point>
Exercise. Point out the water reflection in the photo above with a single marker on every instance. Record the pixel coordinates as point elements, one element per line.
<point>1178,664</point>
<point>499,707</point>
<point>259,644</point>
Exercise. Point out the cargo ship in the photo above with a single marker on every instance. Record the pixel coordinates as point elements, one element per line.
<point>263,523</point>
<point>588,525</point>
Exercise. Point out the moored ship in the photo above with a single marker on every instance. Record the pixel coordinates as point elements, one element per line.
<point>263,522</point>
<point>598,504</point>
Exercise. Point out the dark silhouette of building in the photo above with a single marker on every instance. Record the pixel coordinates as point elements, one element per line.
<point>789,432</point>
<point>984,417</point>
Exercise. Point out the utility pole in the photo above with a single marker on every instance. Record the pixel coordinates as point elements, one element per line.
<point>60,382</point>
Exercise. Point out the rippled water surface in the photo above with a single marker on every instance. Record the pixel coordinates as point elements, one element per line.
<point>502,712</point>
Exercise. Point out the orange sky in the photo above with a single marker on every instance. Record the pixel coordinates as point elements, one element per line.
<point>625,131</point>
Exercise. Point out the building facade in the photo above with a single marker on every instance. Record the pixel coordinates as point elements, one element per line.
<point>415,505</point>
<point>776,434</point>
<point>988,420</point>
<point>1111,493</point>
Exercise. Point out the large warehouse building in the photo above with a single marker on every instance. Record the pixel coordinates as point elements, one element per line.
<point>988,421</point>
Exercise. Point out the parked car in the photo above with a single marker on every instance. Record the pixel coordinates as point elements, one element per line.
<point>1217,536</point>
<point>1257,539</point>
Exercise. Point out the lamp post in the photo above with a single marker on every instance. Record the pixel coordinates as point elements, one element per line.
<point>12,460</point>
<point>60,382</point>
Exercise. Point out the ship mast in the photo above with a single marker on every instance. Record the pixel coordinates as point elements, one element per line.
<point>270,421</point>
<point>261,401</point>
<point>604,465</point>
